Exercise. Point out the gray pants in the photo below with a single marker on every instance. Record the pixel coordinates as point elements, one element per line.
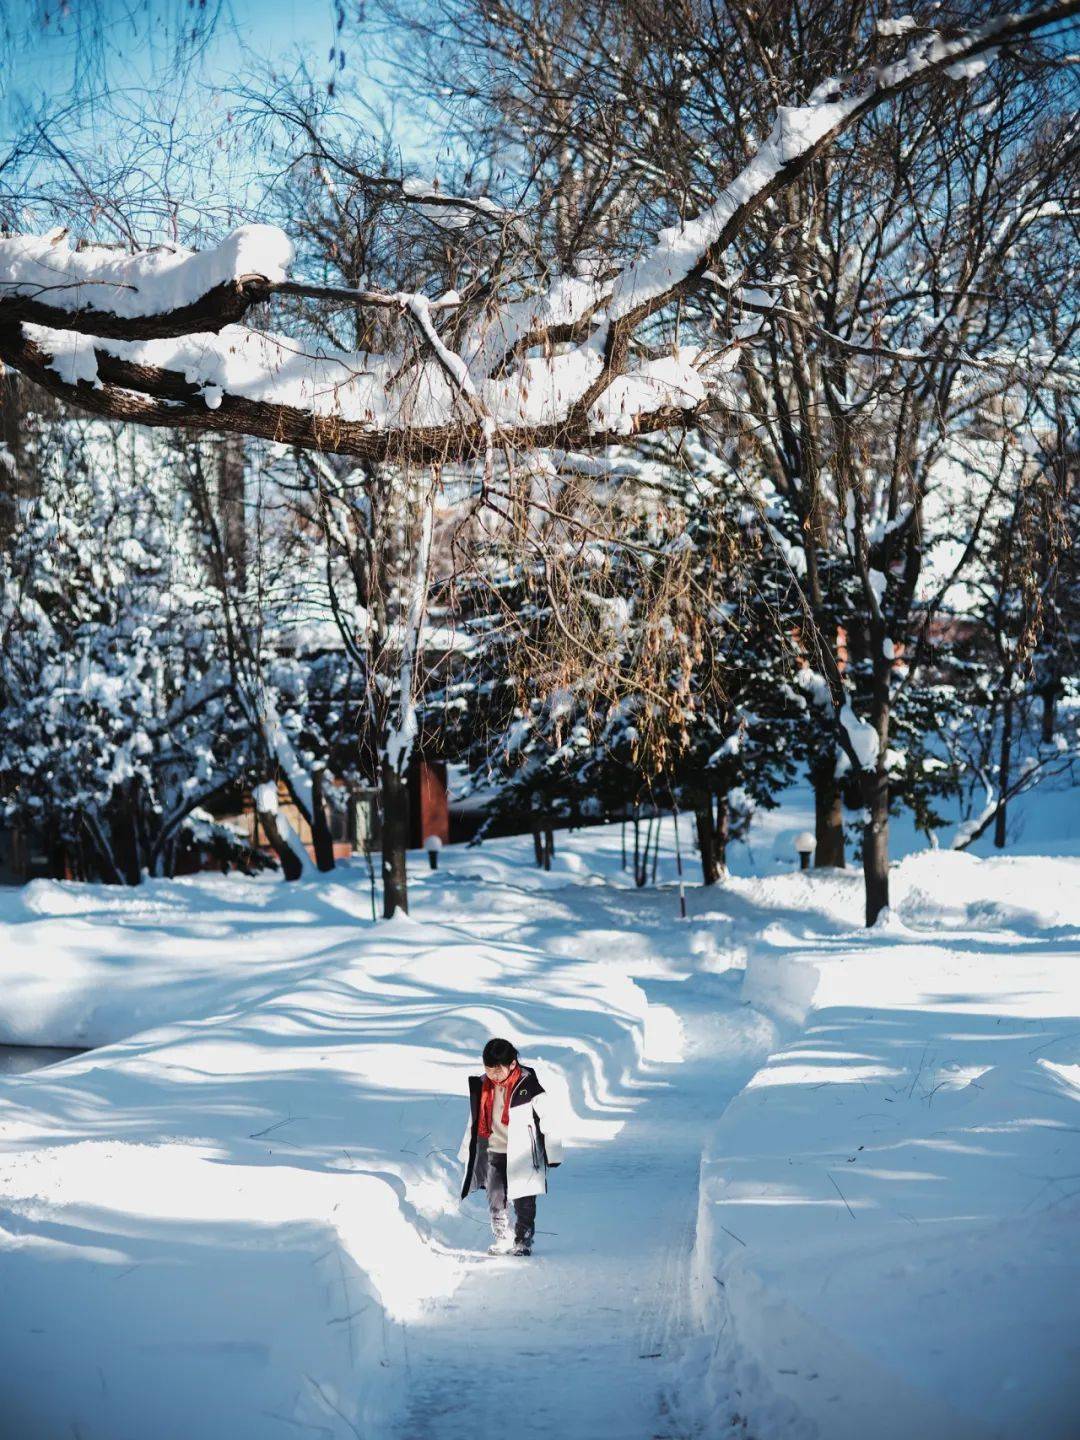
<point>524,1209</point>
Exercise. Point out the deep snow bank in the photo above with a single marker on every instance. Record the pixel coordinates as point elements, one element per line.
<point>225,1222</point>
<point>888,1220</point>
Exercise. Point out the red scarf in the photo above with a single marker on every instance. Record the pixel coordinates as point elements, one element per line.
<point>487,1100</point>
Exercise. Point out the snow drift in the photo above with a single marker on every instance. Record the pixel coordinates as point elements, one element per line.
<point>888,1213</point>
<point>224,1221</point>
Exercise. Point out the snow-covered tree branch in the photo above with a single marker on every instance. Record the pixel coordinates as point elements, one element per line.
<point>153,337</point>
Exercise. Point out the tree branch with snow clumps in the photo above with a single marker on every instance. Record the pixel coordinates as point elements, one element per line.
<point>154,338</point>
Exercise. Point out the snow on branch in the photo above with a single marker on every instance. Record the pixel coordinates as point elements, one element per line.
<point>104,291</point>
<point>380,407</point>
<point>454,210</point>
<point>685,253</point>
<point>131,336</point>
<point>691,251</point>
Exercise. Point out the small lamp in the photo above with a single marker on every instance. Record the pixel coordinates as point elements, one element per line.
<point>805,844</point>
<point>433,845</point>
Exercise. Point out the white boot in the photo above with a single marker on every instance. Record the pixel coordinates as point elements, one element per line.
<point>503,1243</point>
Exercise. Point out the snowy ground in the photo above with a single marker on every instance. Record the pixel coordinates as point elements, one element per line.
<point>892,1204</point>
<point>238,1217</point>
<point>246,1219</point>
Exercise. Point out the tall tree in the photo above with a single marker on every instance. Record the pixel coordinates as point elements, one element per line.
<point>568,361</point>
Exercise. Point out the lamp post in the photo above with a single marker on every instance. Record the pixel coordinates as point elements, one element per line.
<point>805,844</point>
<point>433,845</point>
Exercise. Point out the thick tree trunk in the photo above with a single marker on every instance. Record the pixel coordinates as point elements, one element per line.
<point>321,839</point>
<point>713,831</point>
<point>1049,700</point>
<point>828,819</point>
<point>395,808</point>
<point>703,819</point>
<point>59,858</point>
<point>124,829</point>
<point>291,866</point>
<point>306,794</point>
<point>875,794</point>
<point>538,845</point>
<point>1004,768</point>
<point>232,508</point>
<point>549,848</point>
<point>721,833</point>
<point>876,847</point>
<point>13,480</point>
<point>97,857</point>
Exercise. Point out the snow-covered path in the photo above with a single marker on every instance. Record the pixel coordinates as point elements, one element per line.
<point>263,1121</point>
<point>238,1217</point>
<point>588,1338</point>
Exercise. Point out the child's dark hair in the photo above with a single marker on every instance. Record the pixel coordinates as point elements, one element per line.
<point>499,1052</point>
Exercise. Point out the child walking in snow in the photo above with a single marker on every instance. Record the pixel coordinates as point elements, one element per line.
<point>510,1144</point>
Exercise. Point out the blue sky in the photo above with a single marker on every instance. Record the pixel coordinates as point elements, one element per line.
<point>127,51</point>
<point>50,51</point>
